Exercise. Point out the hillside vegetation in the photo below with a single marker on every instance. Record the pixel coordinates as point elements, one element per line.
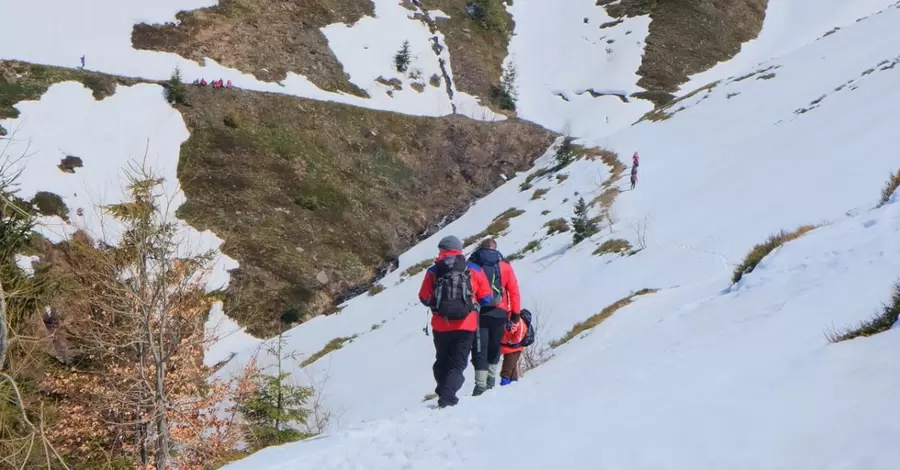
<point>267,38</point>
<point>313,198</point>
<point>688,37</point>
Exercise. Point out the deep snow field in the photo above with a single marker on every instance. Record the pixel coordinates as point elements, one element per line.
<point>702,374</point>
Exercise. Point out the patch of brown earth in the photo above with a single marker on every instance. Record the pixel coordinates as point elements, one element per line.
<point>314,198</point>
<point>267,38</point>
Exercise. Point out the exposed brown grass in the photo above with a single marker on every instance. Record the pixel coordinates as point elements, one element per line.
<point>69,163</point>
<point>556,226</point>
<point>599,318</point>
<point>613,246</point>
<point>417,268</point>
<point>267,38</point>
<point>760,251</point>
<point>889,187</point>
<point>50,204</point>
<point>539,193</point>
<point>510,213</point>
<point>333,345</point>
<point>665,112</point>
<point>20,81</point>
<point>303,187</point>
<point>477,53</point>
<point>880,323</point>
<point>689,36</point>
<point>531,246</point>
<point>606,198</point>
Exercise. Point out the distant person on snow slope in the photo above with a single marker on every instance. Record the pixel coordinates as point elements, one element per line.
<point>453,290</point>
<point>634,176</point>
<point>495,318</point>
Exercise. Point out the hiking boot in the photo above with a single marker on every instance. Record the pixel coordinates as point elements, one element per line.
<point>481,377</point>
<point>493,371</point>
<point>444,404</point>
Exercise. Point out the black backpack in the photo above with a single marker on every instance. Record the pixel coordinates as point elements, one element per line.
<point>453,288</point>
<point>489,260</point>
<point>528,340</point>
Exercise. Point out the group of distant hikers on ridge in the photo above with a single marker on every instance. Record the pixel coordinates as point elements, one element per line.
<point>476,309</point>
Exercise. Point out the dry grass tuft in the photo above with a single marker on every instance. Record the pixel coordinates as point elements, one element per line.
<point>760,251</point>
<point>599,318</point>
<point>889,188</point>
<point>333,345</point>
<point>881,322</point>
<point>613,246</point>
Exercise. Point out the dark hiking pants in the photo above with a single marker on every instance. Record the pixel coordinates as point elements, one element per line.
<point>491,328</point>
<point>451,358</point>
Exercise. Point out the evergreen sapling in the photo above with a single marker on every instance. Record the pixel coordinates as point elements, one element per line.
<point>278,406</point>
<point>402,58</point>
<point>582,226</point>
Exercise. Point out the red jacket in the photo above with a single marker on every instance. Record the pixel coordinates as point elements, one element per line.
<point>514,337</point>
<point>511,302</point>
<point>480,287</point>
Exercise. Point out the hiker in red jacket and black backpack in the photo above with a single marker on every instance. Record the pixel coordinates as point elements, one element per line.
<point>453,289</point>
<point>495,318</point>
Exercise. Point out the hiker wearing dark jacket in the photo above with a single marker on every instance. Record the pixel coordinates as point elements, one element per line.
<point>496,317</point>
<point>453,289</point>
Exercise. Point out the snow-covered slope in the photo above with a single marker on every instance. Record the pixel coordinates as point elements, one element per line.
<point>788,26</point>
<point>702,374</point>
<point>687,378</point>
<point>60,33</point>
<point>560,57</point>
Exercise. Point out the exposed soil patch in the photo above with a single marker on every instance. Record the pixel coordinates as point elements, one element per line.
<point>690,36</point>
<point>687,37</point>
<point>303,188</point>
<point>20,81</point>
<point>69,164</point>
<point>267,38</point>
<point>476,52</point>
<point>50,204</point>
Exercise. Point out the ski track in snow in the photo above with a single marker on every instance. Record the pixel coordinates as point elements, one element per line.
<point>59,33</point>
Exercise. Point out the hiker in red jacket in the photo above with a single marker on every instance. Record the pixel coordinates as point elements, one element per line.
<point>635,160</point>
<point>453,289</point>
<point>496,317</point>
<point>511,348</point>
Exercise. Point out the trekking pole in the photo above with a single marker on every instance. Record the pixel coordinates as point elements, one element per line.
<point>427,314</point>
<point>478,333</point>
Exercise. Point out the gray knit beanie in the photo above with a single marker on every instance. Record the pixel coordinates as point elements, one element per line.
<point>450,243</point>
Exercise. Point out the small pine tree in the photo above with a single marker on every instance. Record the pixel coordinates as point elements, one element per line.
<point>565,154</point>
<point>402,58</point>
<point>174,89</point>
<point>506,95</point>
<point>582,226</point>
<point>277,406</point>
